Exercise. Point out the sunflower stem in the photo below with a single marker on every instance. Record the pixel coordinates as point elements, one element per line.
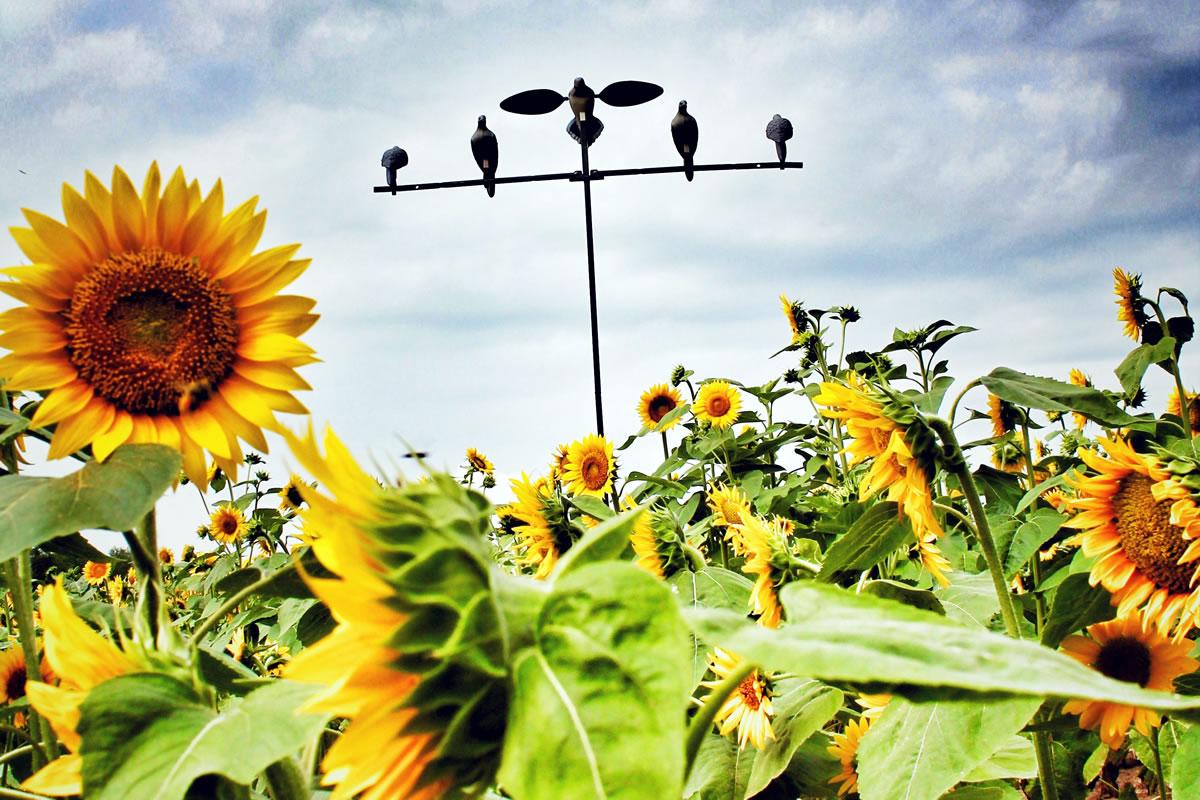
<point>1045,763</point>
<point>666,452</point>
<point>229,605</point>
<point>285,781</point>
<point>1158,767</point>
<point>22,597</point>
<point>958,398</point>
<point>703,721</point>
<point>1185,413</point>
<point>958,465</point>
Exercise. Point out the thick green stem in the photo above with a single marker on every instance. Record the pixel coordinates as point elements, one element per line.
<point>22,597</point>
<point>285,781</point>
<point>703,721</point>
<point>958,399</point>
<point>143,545</point>
<point>1158,767</point>
<point>1045,762</point>
<point>229,605</point>
<point>987,543</point>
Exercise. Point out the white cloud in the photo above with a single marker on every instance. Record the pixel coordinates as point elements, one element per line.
<point>123,59</point>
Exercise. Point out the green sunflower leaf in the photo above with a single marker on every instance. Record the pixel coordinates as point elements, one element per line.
<point>114,495</point>
<point>1131,370</point>
<point>607,541</point>
<point>711,587</point>
<point>1185,768</point>
<point>872,537</point>
<point>917,751</point>
<point>148,735</point>
<point>1076,605</point>
<point>835,635</point>
<point>1047,394</point>
<point>599,701</point>
<point>801,709</point>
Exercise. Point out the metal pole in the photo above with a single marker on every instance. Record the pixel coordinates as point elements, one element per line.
<point>591,253</point>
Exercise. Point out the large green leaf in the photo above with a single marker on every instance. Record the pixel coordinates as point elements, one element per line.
<point>1131,370</point>
<point>1047,394</point>
<point>599,702</point>
<point>802,707</point>
<point>711,587</point>
<point>1076,605</point>
<point>147,735</point>
<point>1015,758</point>
<point>970,598</point>
<point>607,541</point>
<point>916,751</point>
<point>1185,768</point>
<point>872,537</point>
<point>721,771</point>
<point>115,495</point>
<point>835,635</point>
<point>1029,537</point>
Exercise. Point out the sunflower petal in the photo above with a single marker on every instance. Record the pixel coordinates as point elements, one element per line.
<point>62,403</point>
<point>116,435</point>
<point>129,217</point>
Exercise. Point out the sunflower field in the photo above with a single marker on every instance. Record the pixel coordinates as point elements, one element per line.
<point>858,602</point>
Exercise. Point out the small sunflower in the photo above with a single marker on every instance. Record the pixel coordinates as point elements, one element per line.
<point>932,559</point>
<point>149,318</point>
<point>747,710</point>
<point>82,659</point>
<point>558,464</point>
<point>717,403</point>
<point>1004,416</point>
<point>1175,408</point>
<point>1007,457</point>
<point>645,546</point>
<point>765,547</point>
<point>729,506</point>
<point>479,462</point>
<point>589,468</point>
<point>165,556</point>
<point>1128,289</point>
<point>291,496</point>
<point>116,590</point>
<point>656,402</point>
<point>873,705</point>
<point>544,535</point>
<point>1124,650</point>
<point>1136,522</point>
<point>96,572</point>
<point>12,677</point>
<point>1080,378</point>
<point>845,748</point>
<point>227,524</point>
<point>793,312</point>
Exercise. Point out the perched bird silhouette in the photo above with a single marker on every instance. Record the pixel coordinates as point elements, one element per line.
<point>394,159</point>
<point>779,130</point>
<point>685,133</point>
<point>486,150</point>
<point>584,127</point>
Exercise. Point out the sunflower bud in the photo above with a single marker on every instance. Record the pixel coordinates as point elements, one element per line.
<point>1181,329</point>
<point>1152,332</point>
<point>678,375</point>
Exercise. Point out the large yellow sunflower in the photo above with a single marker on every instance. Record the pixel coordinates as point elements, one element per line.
<point>96,572</point>
<point>150,318</point>
<point>1176,408</point>
<point>589,468</point>
<point>747,710</point>
<point>717,403</point>
<point>845,748</point>
<point>1137,524</point>
<point>1123,649</point>
<point>82,659</point>
<point>1128,289</point>
<point>656,402</point>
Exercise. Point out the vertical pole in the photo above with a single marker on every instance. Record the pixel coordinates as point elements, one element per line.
<point>591,255</point>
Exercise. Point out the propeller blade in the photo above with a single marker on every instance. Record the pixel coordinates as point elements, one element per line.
<point>533,101</point>
<point>629,93</point>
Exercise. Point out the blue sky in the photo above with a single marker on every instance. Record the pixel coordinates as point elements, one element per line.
<point>987,162</point>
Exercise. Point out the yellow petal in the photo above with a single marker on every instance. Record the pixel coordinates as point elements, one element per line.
<point>172,211</point>
<point>68,249</point>
<point>235,423</point>
<point>273,376</point>
<point>286,274</point>
<point>273,347</point>
<point>62,403</point>
<point>129,218</point>
<point>206,432</point>
<point>75,432</point>
<point>150,189</point>
<point>62,777</point>
<point>233,254</point>
<point>85,222</point>
<point>101,201</point>
<point>34,298</point>
<point>249,400</point>
<point>259,268</point>
<point>47,374</point>
<point>194,464</point>
<point>31,245</point>
<point>203,223</point>
<point>116,435</point>
<point>75,651</point>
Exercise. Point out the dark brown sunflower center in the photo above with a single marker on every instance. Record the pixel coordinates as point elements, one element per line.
<point>1125,659</point>
<point>718,405</point>
<point>151,332</point>
<point>594,470</point>
<point>1148,538</point>
<point>14,687</point>
<point>293,496</point>
<point>229,525</point>
<point>749,691</point>
<point>660,407</point>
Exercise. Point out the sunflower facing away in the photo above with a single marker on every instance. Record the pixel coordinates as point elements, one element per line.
<point>1123,649</point>
<point>765,547</point>
<point>150,318</point>
<point>845,748</point>
<point>1137,523</point>
<point>789,312</point>
<point>656,402</point>
<point>717,403</point>
<point>96,572</point>
<point>1004,416</point>
<point>227,524</point>
<point>82,659</point>
<point>1080,378</point>
<point>1128,289</point>
<point>747,710</point>
<point>589,468</point>
<point>1174,407</point>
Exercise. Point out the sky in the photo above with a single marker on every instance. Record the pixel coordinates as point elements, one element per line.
<point>985,162</point>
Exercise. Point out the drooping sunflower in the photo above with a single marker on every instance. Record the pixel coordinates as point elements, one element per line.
<point>290,496</point>
<point>1006,456</point>
<point>765,547</point>
<point>558,463</point>
<point>545,533</point>
<point>1125,650</point>
<point>1128,289</point>
<point>408,738</point>
<point>1080,378</point>
<point>794,319</point>
<point>1004,416</point>
<point>227,524</point>
<point>149,318</point>
<point>479,462</point>
<point>845,748</point>
<point>589,468</point>
<point>96,572</point>
<point>1132,518</point>
<point>717,403</point>
<point>81,659</point>
<point>747,710</point>
<point>932,559</point>
<point>1175,408</point>
<point>656,402</point>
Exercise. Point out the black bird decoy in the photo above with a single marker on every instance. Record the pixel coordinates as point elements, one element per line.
<point>584,126</point>
<point>779,130</point>
<point>486,150</point>
<point>394,159</point>
<point>685,133</point>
